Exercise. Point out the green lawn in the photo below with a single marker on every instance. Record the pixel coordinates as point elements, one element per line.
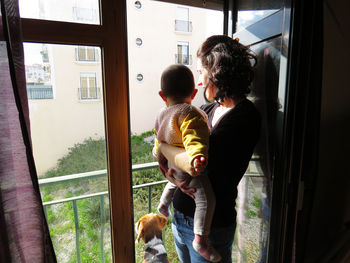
<point>90,155</point>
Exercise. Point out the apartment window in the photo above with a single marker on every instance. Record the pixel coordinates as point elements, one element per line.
<point>88,86</point>
<point>182,56</point>
<point>85,54</point>
<point>182,21</point>
<point>45,54</point>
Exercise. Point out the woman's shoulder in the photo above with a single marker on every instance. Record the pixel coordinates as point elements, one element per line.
<point>208,107</point>
<point>247,107</point>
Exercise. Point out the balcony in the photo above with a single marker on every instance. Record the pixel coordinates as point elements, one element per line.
<point>101,200</point>
<point>249,192</point>
<point>183,26</point>
<point>39,92</point>
<point>183,59</point>
<point>89,93</point>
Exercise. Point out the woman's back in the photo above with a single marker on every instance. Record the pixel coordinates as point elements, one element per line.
<point>231,145</point>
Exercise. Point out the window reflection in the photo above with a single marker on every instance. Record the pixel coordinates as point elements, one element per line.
<point>247,18</point>
<point>255,189</point>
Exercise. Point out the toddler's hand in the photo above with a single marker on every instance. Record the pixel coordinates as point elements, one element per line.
<point>199,164</point>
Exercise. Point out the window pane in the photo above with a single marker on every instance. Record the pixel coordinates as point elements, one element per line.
<point>68,138</point>
<point>78,11</point>
<point>93,92</point>
<point>182,13</point>
<point>84,93</point>
<point>162,45</point>
<point>247,18</point>
<point>92,82</point>
<point>81,53</point>
<point>83,82</point>
<point>255,189</point>
<point>90,54</point>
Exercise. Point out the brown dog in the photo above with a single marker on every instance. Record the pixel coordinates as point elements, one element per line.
<point>150,229</point>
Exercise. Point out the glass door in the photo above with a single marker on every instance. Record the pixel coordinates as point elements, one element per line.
<point>66,110</point>
<point>265,31</point>
<point>155,42</point>
<point>75,57</point>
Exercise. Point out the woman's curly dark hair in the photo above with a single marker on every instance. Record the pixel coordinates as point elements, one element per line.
<point>229,66</point>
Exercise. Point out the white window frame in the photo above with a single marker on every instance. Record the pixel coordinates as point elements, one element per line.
<point>180,17</point>
<point>89,97</point>
<point>183,17</point>
<point>183,43</point>
<point>85,50</point>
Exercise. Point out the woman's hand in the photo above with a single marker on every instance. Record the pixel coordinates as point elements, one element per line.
<point>169,174</point>
<point>163,164</point>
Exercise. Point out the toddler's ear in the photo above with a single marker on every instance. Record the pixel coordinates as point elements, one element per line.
<point>194,93</point>
<point>161,94</point>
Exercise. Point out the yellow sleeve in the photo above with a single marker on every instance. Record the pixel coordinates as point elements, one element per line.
<point>156,145</point>
<point>195,135</point>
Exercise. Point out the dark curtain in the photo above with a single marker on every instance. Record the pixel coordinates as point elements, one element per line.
<point>24,234</point>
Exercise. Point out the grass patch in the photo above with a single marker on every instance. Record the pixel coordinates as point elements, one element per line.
<point>90,155</point>
<point>256,202</point>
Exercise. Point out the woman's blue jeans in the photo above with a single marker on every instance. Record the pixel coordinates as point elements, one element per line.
<point>220,238</point>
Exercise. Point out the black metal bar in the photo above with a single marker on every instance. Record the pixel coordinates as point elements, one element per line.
<point>226,16</point>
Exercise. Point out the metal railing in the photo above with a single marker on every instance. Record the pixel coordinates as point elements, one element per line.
<point>100,195</point>
<point>39,93</point>
<point>89,93</point>
<point>183,26</point>
<point>183,59</point>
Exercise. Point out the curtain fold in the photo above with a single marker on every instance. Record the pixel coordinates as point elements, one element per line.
<point>24,234</point>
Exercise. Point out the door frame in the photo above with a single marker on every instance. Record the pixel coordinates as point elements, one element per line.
<point>301,126</point>
<point>293,192</point>
<point>111,36</point>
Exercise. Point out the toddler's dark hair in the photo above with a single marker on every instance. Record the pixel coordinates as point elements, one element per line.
<point>177,82</point>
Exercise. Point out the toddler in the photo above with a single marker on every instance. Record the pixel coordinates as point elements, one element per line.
<point>183,125</point>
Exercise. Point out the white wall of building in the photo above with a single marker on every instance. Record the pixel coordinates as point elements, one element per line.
<point>154,23</point>
<point>58,124</point>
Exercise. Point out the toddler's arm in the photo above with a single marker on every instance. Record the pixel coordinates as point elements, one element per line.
<point>178,157</point>
<point>195,138</point>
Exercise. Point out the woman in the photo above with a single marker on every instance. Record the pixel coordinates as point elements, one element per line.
<point>226,72</point>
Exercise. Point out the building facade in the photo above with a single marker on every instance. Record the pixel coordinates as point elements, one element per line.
<point>66,103</point>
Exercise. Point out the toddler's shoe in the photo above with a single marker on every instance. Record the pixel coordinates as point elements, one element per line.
<point>164,210</point>
<point>209,253</point>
